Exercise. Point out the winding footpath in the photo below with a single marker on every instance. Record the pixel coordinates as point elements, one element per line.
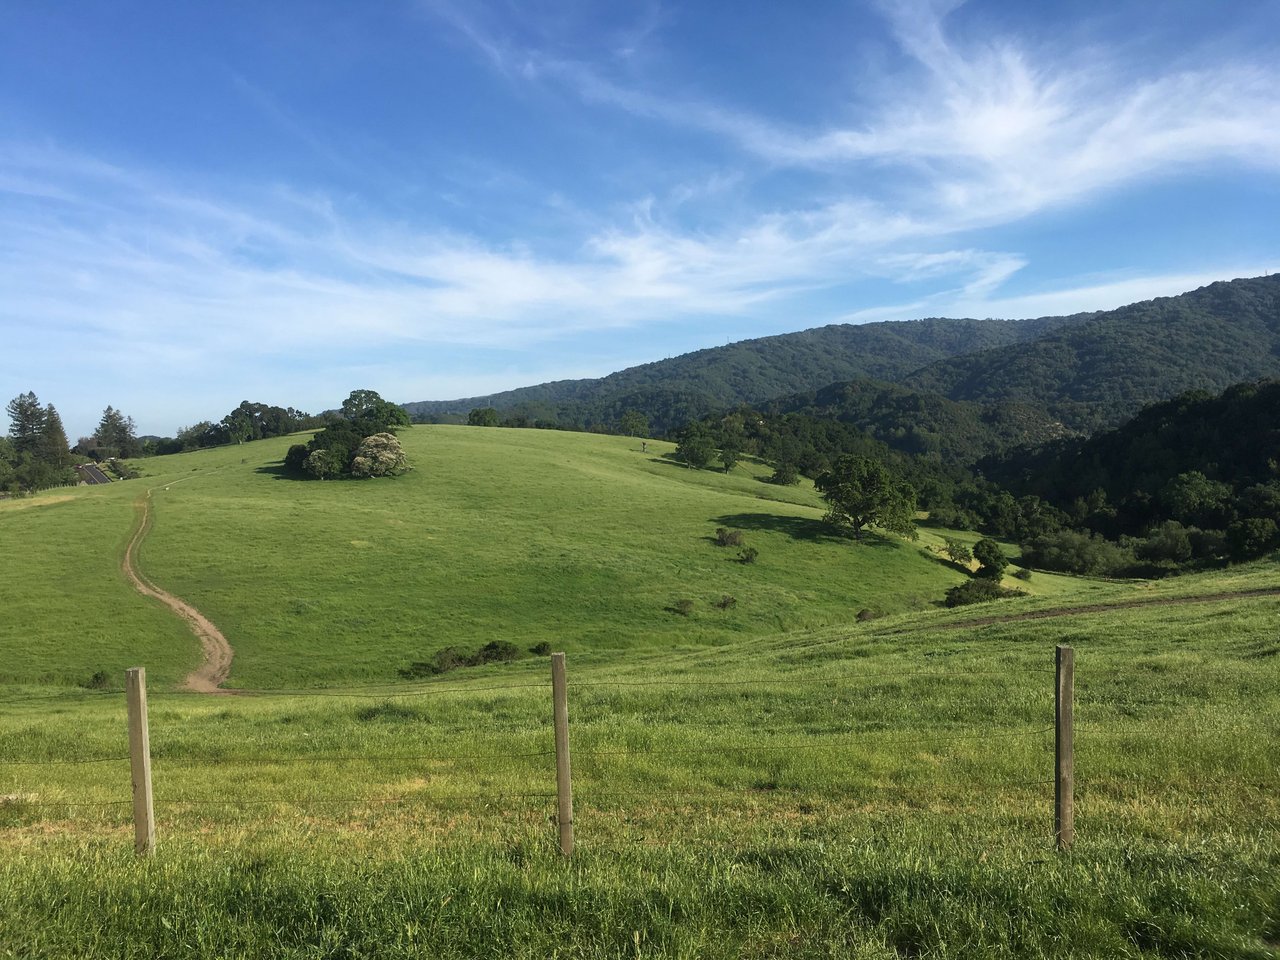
<point>213,672</point>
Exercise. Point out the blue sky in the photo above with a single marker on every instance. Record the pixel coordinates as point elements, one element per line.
<point>284,201</point>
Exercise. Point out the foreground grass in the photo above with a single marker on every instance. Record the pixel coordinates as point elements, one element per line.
<point>878,792</point>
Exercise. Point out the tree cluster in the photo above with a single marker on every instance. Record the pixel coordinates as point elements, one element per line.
<point>248,421</point>
<point>35,453</point>
<point>359,443</point>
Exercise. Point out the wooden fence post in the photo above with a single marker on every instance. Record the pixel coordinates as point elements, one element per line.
<point>1064,748</point>
<point>564,783</point>
<point>144,824</point>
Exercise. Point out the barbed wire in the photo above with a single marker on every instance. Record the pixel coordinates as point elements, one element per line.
<point>52,761</point>
<point>349,758</point>
<point>21,804</point>
<point>754,748</point>
<point>388,691</point>
<point>845,740</point>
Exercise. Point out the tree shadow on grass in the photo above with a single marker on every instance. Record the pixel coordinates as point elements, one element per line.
<point>277,470</point>
<point>801,528</point>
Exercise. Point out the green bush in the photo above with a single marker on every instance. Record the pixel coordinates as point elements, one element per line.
<point>979,591</point>
<point>451,658</point>
<point>541,649</point>
<point>728,538</point>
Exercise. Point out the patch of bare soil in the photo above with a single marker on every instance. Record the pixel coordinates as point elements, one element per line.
<point>213,672</point>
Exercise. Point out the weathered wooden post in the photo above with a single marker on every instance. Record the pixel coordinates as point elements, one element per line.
<point>144,825</point>
<point>1064,749</point>
<point>564,783</point>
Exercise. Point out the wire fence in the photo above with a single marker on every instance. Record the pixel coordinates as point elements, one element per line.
<point>725,774</point>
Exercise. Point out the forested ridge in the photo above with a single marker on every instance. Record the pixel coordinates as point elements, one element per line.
<point>1045,377</point>
<point>673,391</point>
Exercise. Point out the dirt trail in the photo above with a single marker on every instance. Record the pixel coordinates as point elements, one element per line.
<point>1114,605</point>
<point>208,677</point>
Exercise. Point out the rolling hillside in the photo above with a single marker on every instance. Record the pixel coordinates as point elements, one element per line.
<point>519,535</point>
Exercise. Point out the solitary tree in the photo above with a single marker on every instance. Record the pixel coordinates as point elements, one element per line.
<point>696,448</point>
<point>861,491</point>
<point>729,455</point>
<point>634,424</point>
<point>116,436</point>
<point>987,552</point>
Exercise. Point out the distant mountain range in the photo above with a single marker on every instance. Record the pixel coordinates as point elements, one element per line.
<point>1028,379</point>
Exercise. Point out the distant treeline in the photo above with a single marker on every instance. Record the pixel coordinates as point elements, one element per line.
<point>249,421</point>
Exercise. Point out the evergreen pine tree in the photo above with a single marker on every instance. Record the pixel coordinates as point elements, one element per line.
<point>26,422</point>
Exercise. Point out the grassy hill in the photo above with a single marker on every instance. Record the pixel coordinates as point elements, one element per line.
<point>578,540</point>
<point>771,780</point>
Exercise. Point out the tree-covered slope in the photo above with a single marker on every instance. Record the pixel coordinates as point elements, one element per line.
<point>1102,369</point>
<point>1086,371</point>
<point>1232,440</point>
<point>956,431</point>
<point>674,390</point>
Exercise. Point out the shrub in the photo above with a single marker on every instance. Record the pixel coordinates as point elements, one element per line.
<point>99,681</point>
<point>958,551</point>
<point>866,614</point>
<point>495,651</point>
<point>725,602</point>
<point>379,455</point>
<point>296,457</point>
<point>979,591</point>
<point>1207,544</point>
<point>682,607</point>
<point>451,658</point>
<point>748,555</point>
<point>728,538</point>
<point>541,649</point>
<point>1022,574</point>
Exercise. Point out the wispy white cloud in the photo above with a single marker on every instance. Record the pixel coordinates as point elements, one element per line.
<point>985,132</point>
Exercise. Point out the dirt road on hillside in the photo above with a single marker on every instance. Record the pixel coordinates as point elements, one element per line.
<point>210,675</point>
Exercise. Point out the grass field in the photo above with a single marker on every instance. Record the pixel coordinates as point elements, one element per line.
<point>778,782</point>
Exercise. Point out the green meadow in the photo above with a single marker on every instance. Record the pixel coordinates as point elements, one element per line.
<point>775,779</point>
